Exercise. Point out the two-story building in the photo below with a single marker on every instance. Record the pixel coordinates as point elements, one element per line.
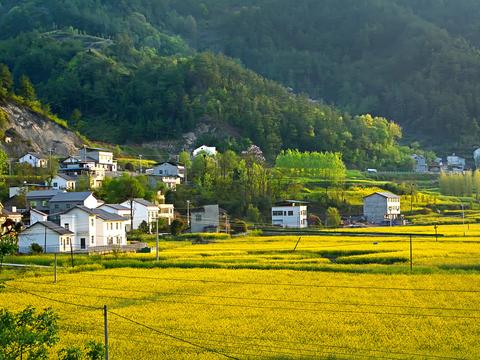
<point>420,164</point>
<point>381,208</point>
<point>119,210</point>
<point>209,218</point>
<point>169,169</point>
<point>290,214</point>
<point>103,158</point>
<point>34,160</point>
<point>143,211</point>
<point>75,166</point>
<point>40,199</point>
<point>94,227</point>
<point>65,201</point>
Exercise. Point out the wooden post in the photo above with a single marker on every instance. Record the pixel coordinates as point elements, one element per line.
<point>295,248</point>
<point>436,232</point>
<point>411,254</point>
<point>105,328</point>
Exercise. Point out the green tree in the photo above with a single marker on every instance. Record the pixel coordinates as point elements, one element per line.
<point>27,334</point>
<point>6,81</point>
<point>253,214</point>
<point>333,219</point>
<point>8,246</point>
<point>26,89</point>
<point>176,227</point>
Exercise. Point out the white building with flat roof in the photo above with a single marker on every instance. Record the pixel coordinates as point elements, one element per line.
<point>290,214</point>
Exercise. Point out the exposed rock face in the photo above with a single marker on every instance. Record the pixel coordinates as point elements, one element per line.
<point>30,131</point>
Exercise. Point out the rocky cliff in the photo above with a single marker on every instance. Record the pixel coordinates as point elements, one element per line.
<point>29,131</point>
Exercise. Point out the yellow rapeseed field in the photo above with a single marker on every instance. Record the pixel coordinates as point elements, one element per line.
<point>266,314</point>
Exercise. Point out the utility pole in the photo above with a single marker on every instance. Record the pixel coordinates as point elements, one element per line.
<point>463,218</point>
<point>188,213</point>
<point>45,240</point>
<point>55,268</point>
<point>105,328</point>
<point>71,251</point>
<point>141,166</point>
<point>157,239</point>
<point>411,254</point>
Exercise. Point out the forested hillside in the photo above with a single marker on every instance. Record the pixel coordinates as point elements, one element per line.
<point>118,72</point>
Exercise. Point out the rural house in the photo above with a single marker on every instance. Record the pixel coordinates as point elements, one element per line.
<point>34,160</point>
<point>209,218</point>
<point>62,182</point>
<point>64,201</point>
<point>50,236</point>
<point>102,158</point>
<point>455,163</point>
<point>94,227</point>
<point>204,149</point>
<point>40,199</point>
<point>290,214</point>
<point>74,167</point>
<point>381,208</point>
<point>420,164</point>
<point>169,169</point>
<point>142,210</point>
<point>119,210</point>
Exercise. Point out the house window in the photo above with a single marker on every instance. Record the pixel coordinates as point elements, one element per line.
<point>55,184</point>
<point>33,204</point>
<point>277,213</point>
<point>68,241</point>
<point>56,206</point>
<point>93,239</point>
<point>198,217</point>
<point>68,206</point>
<point>290,213</point>
<point>118,226</point>
<point>92,222</point>
<point>66,226</point>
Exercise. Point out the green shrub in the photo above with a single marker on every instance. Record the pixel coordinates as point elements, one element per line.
<point>36,249</point>
<point>239,226</point>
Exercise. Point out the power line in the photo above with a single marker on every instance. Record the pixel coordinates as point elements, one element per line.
<point>291,284</point>
<point>172,336</point>
<point>285,308</point>
<point>248,298</point>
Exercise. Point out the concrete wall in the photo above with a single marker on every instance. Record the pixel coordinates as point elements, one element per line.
<point>291,217</point>
<point>210,217</point>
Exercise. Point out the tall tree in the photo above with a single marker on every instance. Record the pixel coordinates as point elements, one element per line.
<point>26,89</point>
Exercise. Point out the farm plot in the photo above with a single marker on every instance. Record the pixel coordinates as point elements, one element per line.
<point>266,314</point>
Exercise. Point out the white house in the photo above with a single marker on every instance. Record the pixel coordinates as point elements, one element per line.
<point>170,169</point>
<point>34,160</point>
<point>37,216</point>
<point>119,210</point>
<point>290,214</point>
<point>209,218</point>
<point>64,201</point>
<point>381,207</point>
<point>62,182</point>
<point>94,227</point>
<point>209,150</point>
<point>455,163</point>
<point>103,158</point>
<point>420,165</point>
<point>142,210</point>
<point>50,236</point>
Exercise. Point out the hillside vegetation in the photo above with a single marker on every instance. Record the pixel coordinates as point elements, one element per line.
<point>124,68</point>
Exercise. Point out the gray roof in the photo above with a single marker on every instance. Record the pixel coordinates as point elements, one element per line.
<point>116,206</point>
<point>42,193</point>
<point>102,214</point>
<point>144,202</point>
<point>54,227</point>
<point>71,196</point>
<point>37,155</point>
<point>385,194</point>
<point>65,177</point>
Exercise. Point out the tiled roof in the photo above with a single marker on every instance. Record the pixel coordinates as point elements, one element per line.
<point>42,193</point>
<point>385,194</point>
<point>54,227</point>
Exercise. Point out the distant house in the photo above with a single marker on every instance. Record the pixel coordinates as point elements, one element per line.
<point>50,236</point>
<point>94,227</point>
<point>290,214</point>
<point>169,169</point>
<point>420,165</point>
<point>381,207</point>
<point>455,163</point>
<point>65,201</point>
<point>62,182</point>
<point>204,149</point>
<point>103,158</point>
<point>209,218</point>
<point>34,160</point>
<point>75,166</point>
<point>166,211</point>
<point>40,199</point>
<point>142,210</point>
